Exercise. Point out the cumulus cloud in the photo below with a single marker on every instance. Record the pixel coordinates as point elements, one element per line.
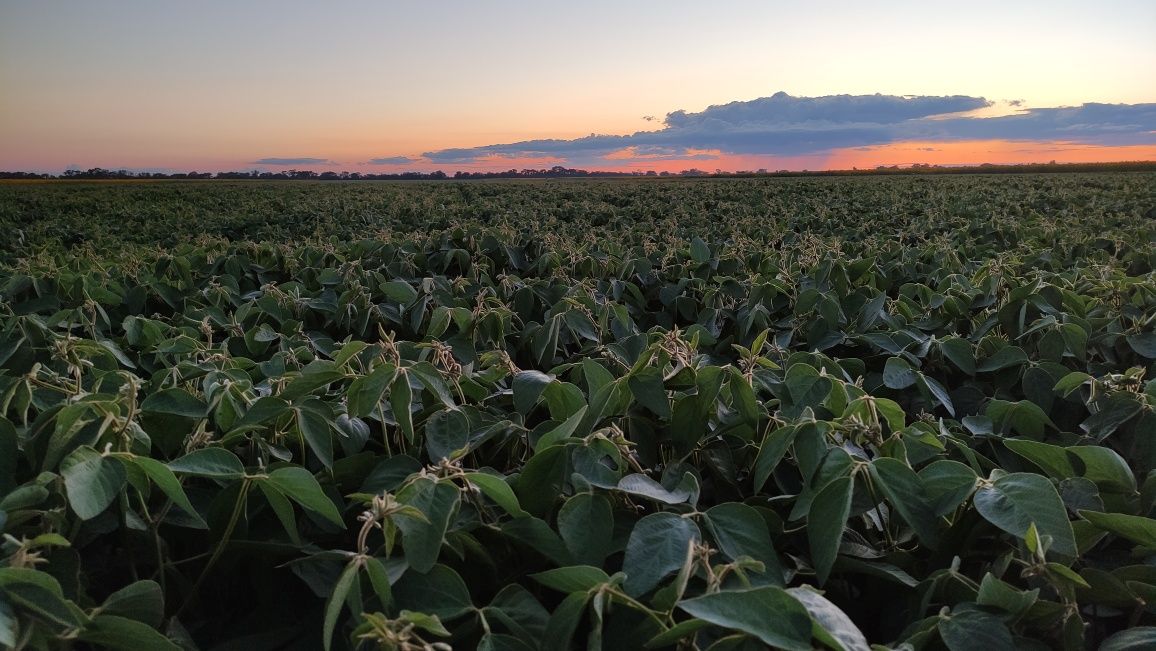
<point>784,110</point>
<point>784,125</point>
<point>657,152</point>
<point>592,144</point>
<point>1099,124</point>
<point>393,160</point>
<point>291,161</point>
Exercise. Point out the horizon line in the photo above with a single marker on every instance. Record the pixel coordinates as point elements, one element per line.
<point>527,172</point>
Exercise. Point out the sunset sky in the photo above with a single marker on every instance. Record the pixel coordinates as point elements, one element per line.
<point>388,87</point>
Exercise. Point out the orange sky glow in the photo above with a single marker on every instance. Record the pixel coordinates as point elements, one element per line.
<point>977,152</point>
<point>903,154</point>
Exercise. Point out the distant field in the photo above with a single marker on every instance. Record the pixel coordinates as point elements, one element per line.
<point>579,413</point>
<point>111,215</point>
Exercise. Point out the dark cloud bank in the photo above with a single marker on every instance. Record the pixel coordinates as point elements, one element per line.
<point>783,125</point>
<point>392,160</point>
<point>291,161</point>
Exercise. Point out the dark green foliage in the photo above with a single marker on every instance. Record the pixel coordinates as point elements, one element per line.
<point>579,415</point>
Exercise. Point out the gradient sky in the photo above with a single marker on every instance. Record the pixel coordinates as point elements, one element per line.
<point>210,85</point>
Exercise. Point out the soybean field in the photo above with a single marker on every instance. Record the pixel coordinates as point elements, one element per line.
<point>839,413</point>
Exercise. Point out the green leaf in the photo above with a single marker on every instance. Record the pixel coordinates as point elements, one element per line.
<point>596,375</point>
<point>9,626</point>
<point>71,423</point>
<point>1144,344</point>
<point>674,634</point>
<point>1006,357</point>
<point>743,397</point>
<point>92,481</point>
<point>647,386</point>
<point>142,601</point>
<point>656,548</point>
<point>1014,501</point>
<point>932,386</point>
<point>948,484</point>
<point>563,399</point>
<point>1052,459</point>
<point>699,251</point>
<point>564,621</point>
<point>822,465</point>
<point>1139,530</point>
<point>643,486</point>
<point>907,494</point>
<point>1079,493</point>
<point>1105,467</point>
<point>1139,638</point>
<point>365,393</point>
<point>829,620</point>
<point>265,410</point>
<point>520,612</point>
<point>316,431</point>
<point>502,642</point>
<point>283,509</point>
<point>163,477</point>
<point>399,291</point>
<point>563,431</point>
<point>217,463</point>
<point>974,630</point>
<point>299,485</point>
<point>586,523</point>
<point>747,611</point>
<point>379,579</point>
<point>739,530</point>
<point>960,352</point>
<point>447,434</point>
<point>528,387</point>
<point>335,601</point>
<point>771,452</point>
<point>995,593</point>
<point>688,423</point>
<point>541,480</point>
<point>891,413</point>
<point>348,351</point>
<point>390,473</point>
<point>806,387</point>
<point>1071,382</point>
<point>1075,340</point>
<point>120,633</point>
<point>534,534</point>
<point>575,578</point>
<point>497,490</point>
<point>49,540</point>
<point>431,378</point>
<point>898,374</point>
<point>400,400</point>
<point>175,402</point>
<point>825,522</point>
<point>41,600</point>
<point>428,623</point>
<point>599,403</point>
<point>1024,417</point>
<point>10,576</point>
<point>440,592</point>
<point>422,541</point>
<point>1120,407</point>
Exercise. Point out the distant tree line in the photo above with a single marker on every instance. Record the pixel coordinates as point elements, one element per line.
<point>99,173</point>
